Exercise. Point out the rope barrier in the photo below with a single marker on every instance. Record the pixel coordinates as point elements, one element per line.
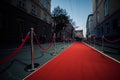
<point>37,40</point>
<point>102,41</point>
<point>16,51</point>
<point>59,40</point>
<point>111,40</point>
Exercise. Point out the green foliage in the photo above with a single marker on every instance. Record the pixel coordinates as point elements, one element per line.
<point>60,17</point>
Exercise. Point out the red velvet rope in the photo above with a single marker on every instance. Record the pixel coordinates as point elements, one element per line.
<point>16,51</point>
<point>111,41</point>
<point>99,39</point>
<point>37,40</point>
<point>60,40</point>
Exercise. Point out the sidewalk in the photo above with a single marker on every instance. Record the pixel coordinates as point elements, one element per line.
<point>112,50</point>
<point>14,69</point>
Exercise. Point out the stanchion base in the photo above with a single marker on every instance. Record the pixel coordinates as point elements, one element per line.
<point>29,67</point>
<point>53,54</point>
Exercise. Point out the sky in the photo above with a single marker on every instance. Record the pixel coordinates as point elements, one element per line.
<point>78,10</point>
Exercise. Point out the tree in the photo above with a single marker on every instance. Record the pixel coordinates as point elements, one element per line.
<point>72,22</point>
<point>60,17</point>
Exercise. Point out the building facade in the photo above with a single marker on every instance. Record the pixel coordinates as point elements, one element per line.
<point>18,16</point>
<point>67,32</point>
<point>89,27</point>
<point>78,35</point>
<point>106,14</point>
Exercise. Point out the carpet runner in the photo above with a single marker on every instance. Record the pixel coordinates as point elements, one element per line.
<point>78,62</point>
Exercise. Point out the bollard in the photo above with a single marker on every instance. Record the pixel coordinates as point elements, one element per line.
<point>90,40</point>
<point>32,49</point>
<point>64,40</point>
<point>54,53</point>
<point>33,65</point>
<point>94,41</point>
<point>102,43</point>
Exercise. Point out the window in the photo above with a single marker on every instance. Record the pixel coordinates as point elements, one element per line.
<point>1,21</point>
<point>106,7</point>
<point>21,26</point>
<point>107,28</point>
<point>38,1</point>
<point>22,3</point>
<point>33,9</point>
<point>119,23</point>
<point>102,29</point>
<point>115,23</point>
<point>97,2</point>
<point>45,17</point>
<point>98,31</point>
<point>45,4</point>
<point>98,17</point>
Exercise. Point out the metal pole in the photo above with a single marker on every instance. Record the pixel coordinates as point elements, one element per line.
<point>103,43</point>
<point>94,41</point>
<point>64,37</point>
<point>54,44</point>
<point>32,49</point>
<point>90,40</point>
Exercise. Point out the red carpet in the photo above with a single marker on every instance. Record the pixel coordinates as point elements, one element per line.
<point>78,62</point>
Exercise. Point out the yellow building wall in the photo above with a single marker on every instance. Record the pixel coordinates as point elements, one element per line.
<point>114,6</point>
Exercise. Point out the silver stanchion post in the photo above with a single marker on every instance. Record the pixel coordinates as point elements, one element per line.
<point>32,49</point>
<point>94,41</point>
<point>64,40</point>
<point>90,40</point>
<point>102,43</point>
<point>54,53</point>
<point>33,65</point>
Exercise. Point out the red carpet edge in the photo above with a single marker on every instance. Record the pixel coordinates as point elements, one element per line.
<point>91,69</point>
<point>103,53</point>
<point>48,61</point>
